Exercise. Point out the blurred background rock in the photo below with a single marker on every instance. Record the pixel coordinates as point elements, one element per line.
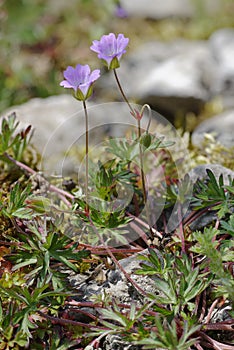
<point>179,60</point>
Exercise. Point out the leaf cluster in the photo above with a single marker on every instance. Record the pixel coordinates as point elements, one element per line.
<point>12,142</point>
<point>41,249</point>
<point>218,252</point>
<point>15,205</point>
<point>193,268</point>
<point>167,319</point>
<point>214,194</point>
<point>177,281</point>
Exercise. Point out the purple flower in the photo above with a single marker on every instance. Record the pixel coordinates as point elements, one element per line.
<point>120,11</point>
<point>80,79</point>
<point>110,49</point>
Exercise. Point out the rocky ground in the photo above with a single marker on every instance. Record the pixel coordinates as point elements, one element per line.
<point>175,78</point>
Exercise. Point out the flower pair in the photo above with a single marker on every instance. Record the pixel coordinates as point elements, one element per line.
<point>110,49</point>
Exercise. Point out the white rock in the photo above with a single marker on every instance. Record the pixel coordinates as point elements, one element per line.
<point>60,125</point>
<point>171,77</point>
<point>222,47</point>
<point>157,9</point>
<point>221,126</point>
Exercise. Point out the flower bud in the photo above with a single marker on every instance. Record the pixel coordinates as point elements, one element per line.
<point>146,140</point>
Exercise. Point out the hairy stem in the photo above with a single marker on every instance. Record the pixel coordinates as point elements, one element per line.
<point>143,179</point>
<point>64,321</point>
<point>86,156</point>
<point>141,161</point>
<point>33,172</point>
<point>137,116</point>
<point>122,92</point>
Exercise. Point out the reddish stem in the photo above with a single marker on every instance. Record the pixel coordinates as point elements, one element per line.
<point>33,172</point>
<point>211,310</point>
<point>64,321</point>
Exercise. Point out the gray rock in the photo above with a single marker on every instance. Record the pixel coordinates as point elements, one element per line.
<point>199,172</point>
<point>222,47</point>
<point>175,85</point>
<point>121,290</point>
<point>179,76</point>
<point>158,9</point>
<point>114,342</point>
<point>171,77</point>
<point>59,127</point>
<point>221,126</point>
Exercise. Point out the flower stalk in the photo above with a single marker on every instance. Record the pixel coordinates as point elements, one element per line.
<point>122,92</point>
<point>81,80</point>
<point>141,161</point>
<point>138,117</point>
<point>86,157</point>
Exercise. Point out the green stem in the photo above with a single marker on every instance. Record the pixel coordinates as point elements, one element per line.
<point>136,116</point>
<point>86,156</point>
<point>143,179</point>
<point>141,161</point>
<point>139,133</point>
<point>150,116</point>
<point>122,92</point>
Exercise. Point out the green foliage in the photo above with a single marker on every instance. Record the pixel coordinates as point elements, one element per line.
<point>41,248</point>
<point>167,319</point>
<point>229,225</point>
<point>11,279</point>
<point>152,142</point>
<point>177,281</point>
<point>179,192</point>
<point>126,150</point>
<point>122,322</point>
<point>15,203</point>
<point>11,142</point>
<point>42,254</point>
<point>214,194</point>
<point>40,40</point>
<point>28,303</point>
<point>56,343</point>
<point>111,186</point>
<point>110,178</point>
<point>38,254</point>
<point>166,336</point>
<point>216,255</point>
<point>10,337</point>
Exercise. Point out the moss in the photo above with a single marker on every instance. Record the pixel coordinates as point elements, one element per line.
<point>213,152</point>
